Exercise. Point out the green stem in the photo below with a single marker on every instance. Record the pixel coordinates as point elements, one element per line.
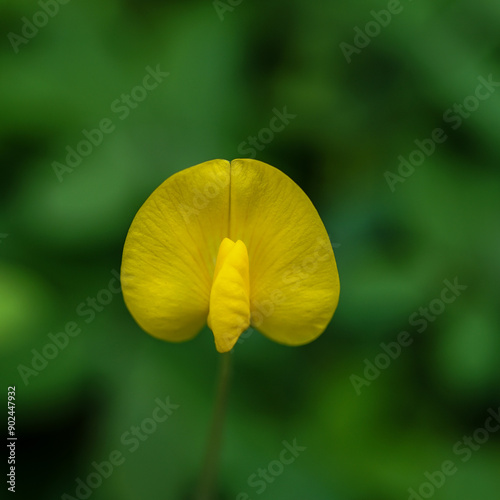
<point>209,471</point>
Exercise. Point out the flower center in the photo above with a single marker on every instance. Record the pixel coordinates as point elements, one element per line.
<point>229,310</point>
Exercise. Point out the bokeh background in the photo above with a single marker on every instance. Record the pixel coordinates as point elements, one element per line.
<point>230,66</point>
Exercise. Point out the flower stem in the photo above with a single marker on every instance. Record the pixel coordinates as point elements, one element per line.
<point>209,471</point>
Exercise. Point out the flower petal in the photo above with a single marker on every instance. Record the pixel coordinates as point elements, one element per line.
<point>229,313</point>
<point>294,283</point>
<point>171,249</point>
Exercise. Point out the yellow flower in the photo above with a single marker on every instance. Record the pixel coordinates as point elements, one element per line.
<point>231,244</point>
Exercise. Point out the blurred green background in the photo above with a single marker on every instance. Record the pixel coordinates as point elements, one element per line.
<point>230,67</point>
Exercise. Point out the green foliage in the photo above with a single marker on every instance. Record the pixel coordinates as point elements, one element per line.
<point>62,231</point>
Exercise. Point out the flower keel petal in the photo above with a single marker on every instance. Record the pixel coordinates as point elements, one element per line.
<point>229,314</point>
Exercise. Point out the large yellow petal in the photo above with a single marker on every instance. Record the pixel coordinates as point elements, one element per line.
<point>294,283</point>
<point>171,249</point>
